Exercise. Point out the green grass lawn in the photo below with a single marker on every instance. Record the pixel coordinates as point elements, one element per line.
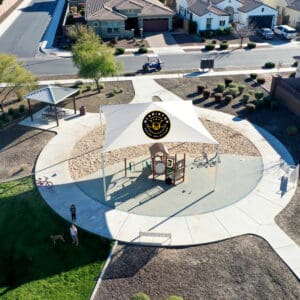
<point>31,266</point>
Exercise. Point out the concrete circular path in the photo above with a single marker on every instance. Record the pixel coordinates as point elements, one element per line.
<point>254,214</point>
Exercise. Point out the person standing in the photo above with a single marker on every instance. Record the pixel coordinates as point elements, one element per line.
<point>74,234</point>
<point>73,212</point>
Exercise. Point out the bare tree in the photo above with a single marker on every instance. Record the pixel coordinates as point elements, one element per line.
<point>243,31</point>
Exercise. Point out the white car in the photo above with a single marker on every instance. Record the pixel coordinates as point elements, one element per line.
<point>285,32</point>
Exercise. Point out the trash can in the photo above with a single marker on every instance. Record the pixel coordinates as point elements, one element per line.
<point>82,110</point>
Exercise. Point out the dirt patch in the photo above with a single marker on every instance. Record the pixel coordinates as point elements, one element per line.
<point>288,219</point>
<point>19,149</point>
<point>231,269</point>
<point>114,92</point>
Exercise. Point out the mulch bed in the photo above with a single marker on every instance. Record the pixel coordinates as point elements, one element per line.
<point>245,266</point>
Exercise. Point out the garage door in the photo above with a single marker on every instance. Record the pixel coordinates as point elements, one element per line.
<point>261,21</point>
<point>155,25</point>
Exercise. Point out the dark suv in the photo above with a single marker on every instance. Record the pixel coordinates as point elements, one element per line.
<point>265,33</point>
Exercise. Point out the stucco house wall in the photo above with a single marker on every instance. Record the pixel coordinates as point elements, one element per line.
<point>101,28</point>
<point>294,17</point>
<point>215,24</point>
<point>259,11</point>
<point>234,4</point>
<point>6,5</point>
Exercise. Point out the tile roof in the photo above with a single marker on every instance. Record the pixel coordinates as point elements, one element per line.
<point>295,4</point>
<point>201,8</point>
<point>249,5</point>
<point>95,8</point>
<point>106,14</point>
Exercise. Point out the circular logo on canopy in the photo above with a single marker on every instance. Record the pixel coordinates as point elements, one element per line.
<point>156,124</point>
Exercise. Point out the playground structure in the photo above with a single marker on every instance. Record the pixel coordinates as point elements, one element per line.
<point>161,164</point>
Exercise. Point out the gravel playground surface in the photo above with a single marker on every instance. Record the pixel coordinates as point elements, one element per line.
<point>86,152</point>
<point>245,266</point>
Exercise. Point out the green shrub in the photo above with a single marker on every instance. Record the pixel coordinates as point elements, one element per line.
<point>19,95</point>
<point>200,89</point>
<point>260,103</point>
<point>233,92</point>
<point>224,46</point>
<point>206,93</point>
<point>274,105</point>
<point>246,98</point>
<point>251,45</point>
<point>261,80</point>
<point>80,88</point>
<point>89,87</point>
<point>218,97</point>
<point>228,98</point>
<point>269,65</point>
<point>119,51</point>
<point>253,76</point>
<point>11,111</point>
<point>232,85</point>
<point>142,50</point>
<point>220,87</point>
<point>175,298</point>
<point>101,86</point>
<point>241,88</point>
<point>213,41</point>
<point>292,130</point>
<point>251,92</point>
<point>227,81</point>
<point>140,296</point>
<point>22,108</point>
<point>192,27</point>
<point>250,107</point>
<point>210,47</point>
<point>7,118</point>
<point>258,95</point>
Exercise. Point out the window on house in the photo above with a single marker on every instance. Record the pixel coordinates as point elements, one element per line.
<point>109,30</point>
<point>222,23</point>
<point>191,16</point>
<point>263,9</point>
<point>95,24</point>
<point>116,29</point>
<point>208,23</point>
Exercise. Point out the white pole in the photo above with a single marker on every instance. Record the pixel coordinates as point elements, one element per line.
<point>102,158</point>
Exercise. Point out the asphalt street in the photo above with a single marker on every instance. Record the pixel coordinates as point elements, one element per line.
<point>43,66</point>
<point>23,36</point>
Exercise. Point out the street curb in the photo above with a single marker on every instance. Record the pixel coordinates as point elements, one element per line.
<point>103,271</point>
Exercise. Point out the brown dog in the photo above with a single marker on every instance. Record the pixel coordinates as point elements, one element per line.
<point>54,238</point>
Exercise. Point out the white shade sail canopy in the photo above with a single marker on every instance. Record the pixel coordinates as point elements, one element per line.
<point>174,121</point>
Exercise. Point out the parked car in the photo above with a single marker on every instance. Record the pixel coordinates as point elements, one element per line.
<point>265,33</point>
<point>285,32</point>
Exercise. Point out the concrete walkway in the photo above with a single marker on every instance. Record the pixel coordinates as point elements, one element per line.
<point>253,214</point>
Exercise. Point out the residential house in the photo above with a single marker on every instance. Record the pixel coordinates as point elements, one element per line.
<point>288,11</point>
<point>6,5</point>
<point>124,18</point>
<point>216,14</point>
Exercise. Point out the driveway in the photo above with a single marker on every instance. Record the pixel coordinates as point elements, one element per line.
<point>23,36</point>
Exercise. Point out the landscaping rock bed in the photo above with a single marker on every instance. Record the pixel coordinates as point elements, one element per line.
<point>242,267</point>
<point>86,154</point>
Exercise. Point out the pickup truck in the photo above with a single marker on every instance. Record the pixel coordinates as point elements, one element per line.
<point>285,32</point>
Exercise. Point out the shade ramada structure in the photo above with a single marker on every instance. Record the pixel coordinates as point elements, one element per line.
<point>124,126</point>
<point>52,95</point>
